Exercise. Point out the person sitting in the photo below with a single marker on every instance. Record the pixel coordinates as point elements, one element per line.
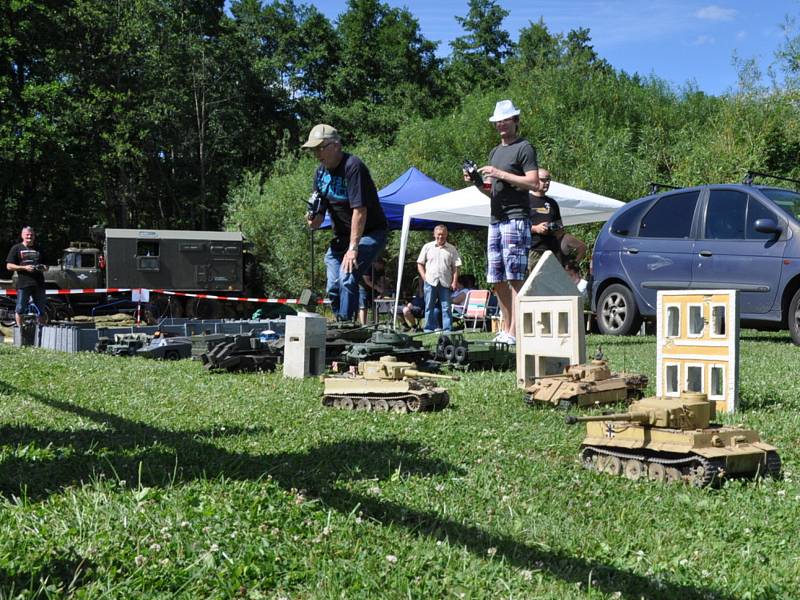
<point>574,272</point>
<point>373,285</point>
<point>465,284</point>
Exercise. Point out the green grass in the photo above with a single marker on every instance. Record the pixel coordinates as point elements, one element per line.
<point>130,478</point>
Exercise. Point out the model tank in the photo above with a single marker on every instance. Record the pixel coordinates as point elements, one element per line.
<point>673,439</point>
<point>384,342</point>
<point>586,385</point>
<point>340,335</point>
<point>386,385</point>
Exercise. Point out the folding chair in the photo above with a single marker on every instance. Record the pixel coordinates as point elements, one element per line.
<point>475,307</point>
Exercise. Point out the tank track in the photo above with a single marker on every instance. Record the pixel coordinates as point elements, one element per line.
<point>694,470</point>
<point>398,403</point>
<point>773,467</point>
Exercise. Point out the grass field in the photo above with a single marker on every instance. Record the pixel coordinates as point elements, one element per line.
<point>128,478</point>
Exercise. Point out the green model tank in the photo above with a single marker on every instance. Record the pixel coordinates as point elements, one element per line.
<point>384,342</point>
<point>674,440</point>
<point>385,385</point>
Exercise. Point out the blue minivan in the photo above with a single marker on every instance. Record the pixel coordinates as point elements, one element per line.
<point>736,236</point>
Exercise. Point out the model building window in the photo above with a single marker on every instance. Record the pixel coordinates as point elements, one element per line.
<point>527,324</point>
<point>717,382</point>
<point>718,320</point>
<point>673,321</point>
<point>672,379</point>
<point>146,248</point>
<point>696,320</point>
<point>694,378</point>
<point>545,323</point>
<point>563,323</point>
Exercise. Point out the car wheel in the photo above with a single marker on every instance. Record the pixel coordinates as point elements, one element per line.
<point>617,313</point>
<point>793,318</point>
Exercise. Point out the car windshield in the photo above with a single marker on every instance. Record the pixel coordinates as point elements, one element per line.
<point>787,200</point>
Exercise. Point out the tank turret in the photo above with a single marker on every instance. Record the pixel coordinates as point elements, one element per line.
<point>690,411</point>
<point>673,439</point>
<point>388,367</point>
<point>386,384</point>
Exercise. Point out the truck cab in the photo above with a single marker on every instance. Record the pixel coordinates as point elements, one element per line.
<point>80,267</point>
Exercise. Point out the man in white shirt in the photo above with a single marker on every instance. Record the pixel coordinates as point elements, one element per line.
<point>438,265</point>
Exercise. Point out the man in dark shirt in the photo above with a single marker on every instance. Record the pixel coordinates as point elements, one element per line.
<point>512,172</point>
<point>545,222</point>
<point>359,225</point>
<point>24,259</point>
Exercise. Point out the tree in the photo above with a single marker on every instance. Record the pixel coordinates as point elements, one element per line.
<point>386,71</point>
<point>478,56</point>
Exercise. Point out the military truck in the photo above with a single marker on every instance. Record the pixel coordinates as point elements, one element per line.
<point>183,261</point>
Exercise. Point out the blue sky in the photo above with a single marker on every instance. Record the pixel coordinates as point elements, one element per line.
<point>677,40</point>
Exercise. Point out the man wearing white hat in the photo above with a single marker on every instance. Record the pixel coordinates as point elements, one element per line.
<point>512,172</point>
<point>359,224</point>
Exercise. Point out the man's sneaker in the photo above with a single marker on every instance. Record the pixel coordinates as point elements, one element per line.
<point>510,340</point>
<point>501,337</point>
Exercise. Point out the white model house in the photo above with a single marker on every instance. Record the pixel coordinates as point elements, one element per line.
<point>550,328</point>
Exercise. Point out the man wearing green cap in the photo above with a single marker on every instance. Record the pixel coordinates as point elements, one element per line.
<point>359,226</point>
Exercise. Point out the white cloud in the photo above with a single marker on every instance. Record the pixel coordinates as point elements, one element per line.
<point>703,40</point>
<point>716,13</point>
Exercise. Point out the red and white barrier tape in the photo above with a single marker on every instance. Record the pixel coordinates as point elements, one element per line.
<point>76,291</point>
<point>167,293</point>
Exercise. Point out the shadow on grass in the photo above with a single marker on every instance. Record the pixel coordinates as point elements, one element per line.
<point>152,456</point>
<point>56,577</point>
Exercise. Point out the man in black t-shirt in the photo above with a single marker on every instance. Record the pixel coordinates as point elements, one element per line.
<point>359,225</point>
<point>512,172</point>
<point>545,222</point>
<point>24,259</point>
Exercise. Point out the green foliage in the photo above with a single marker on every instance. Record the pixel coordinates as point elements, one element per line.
<point>271,214</point>
<point>131,478</point>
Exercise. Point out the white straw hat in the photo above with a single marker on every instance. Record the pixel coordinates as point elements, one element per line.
<point>503,110</point>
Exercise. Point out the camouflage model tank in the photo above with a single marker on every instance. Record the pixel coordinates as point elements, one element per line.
<point>586,385</point>
<point>386,385</point>
<point>674,440</point>
<point>384,343</point>
<point>124,344</point>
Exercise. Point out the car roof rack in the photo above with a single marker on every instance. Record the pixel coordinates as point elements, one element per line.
<point>655,187</point>
<point>751,175</point>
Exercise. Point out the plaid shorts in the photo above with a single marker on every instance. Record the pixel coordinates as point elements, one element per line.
<point>507,250</point>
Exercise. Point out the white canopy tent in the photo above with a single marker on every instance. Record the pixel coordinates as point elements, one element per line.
<point>471,206</point>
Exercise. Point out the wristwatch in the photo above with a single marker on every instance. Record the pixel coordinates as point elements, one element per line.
<point>353,248</point>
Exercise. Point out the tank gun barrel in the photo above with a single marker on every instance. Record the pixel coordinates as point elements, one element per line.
<point>631,417</point>
<point>415,373</point>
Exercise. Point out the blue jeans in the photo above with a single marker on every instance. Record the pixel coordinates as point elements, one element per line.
<point>26,294</point>
<point>442,294</point>
<point>342,287</point>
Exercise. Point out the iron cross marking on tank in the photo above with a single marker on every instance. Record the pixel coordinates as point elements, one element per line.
<point>609,430</point>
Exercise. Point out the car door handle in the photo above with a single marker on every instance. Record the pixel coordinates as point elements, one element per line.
<point>632,250</point>
<point>705,253</point>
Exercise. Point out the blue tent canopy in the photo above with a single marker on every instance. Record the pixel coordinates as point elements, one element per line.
<point>411,186</point>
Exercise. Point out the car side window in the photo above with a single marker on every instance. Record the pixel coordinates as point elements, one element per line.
<point>670,217</point>
<point>627,222</point>
<point>756,211</point>
<point>725,215</point>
